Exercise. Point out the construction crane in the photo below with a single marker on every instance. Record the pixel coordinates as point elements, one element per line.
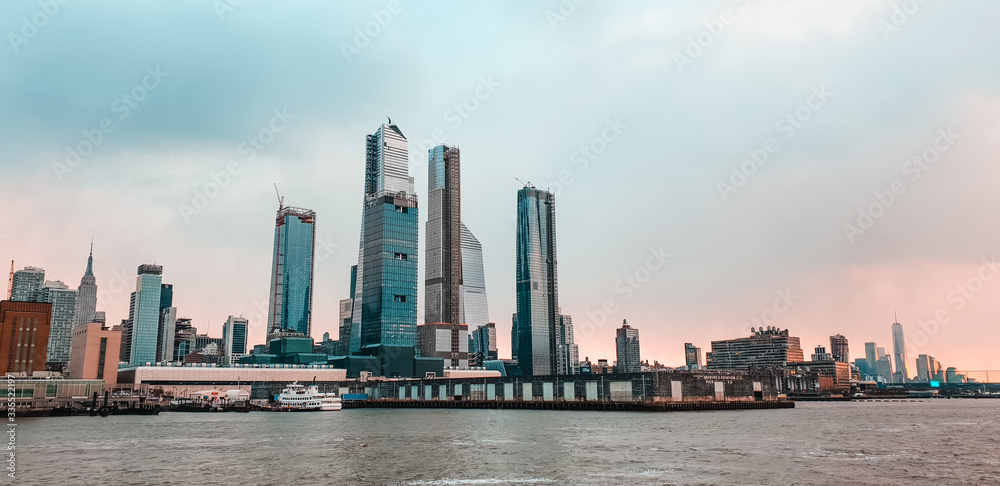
<point>10,281</point>
<point>524,183</point>
<point>281,199</point>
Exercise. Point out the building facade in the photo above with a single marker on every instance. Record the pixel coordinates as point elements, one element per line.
<point>764,347</point>
<point>234,337</point>
<point>475,310</point>
<point>24,336</point>
<point>567,351</point>
<point>443,250</point>
<point>838,348</point>
<point>86,305</point>
<point>536,283</point>
<point>63,302</point>
<point>94,354</point>
<point>627,347</point>
<point>385,296</point>
<point>144,316</point>
<point>901,375</point>
<point>290,302</point>
<point>692,356</point>
<point>27,284</point>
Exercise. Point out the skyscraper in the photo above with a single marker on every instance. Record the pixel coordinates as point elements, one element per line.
<point>899,354</point>
<point>234,338</point>
<point>86,306</point>
<point>871,358</point>
<point>385,295</point>
<point>475,305</point>
<point>290,304</point>
<point>883,366</point>
<point>627,347</point>
<point>513,336</point>
<point>692,356</point>
<point>166,334</point>
<point>484,341</point>
<point>63,302</point>
<point>567,351</point>
<point>350,333</point>
<point>838,348</point>
<point>144,316</point>
<point>26,284</point>
<point>443,251</point>
<point>537,282</point>
<point>925,368</point>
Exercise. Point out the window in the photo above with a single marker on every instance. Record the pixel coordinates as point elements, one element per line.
<point>400,256</point>
<point>402,209</point>
<point>399,298</point>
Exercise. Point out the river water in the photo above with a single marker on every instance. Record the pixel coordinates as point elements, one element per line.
<point>920,442</point>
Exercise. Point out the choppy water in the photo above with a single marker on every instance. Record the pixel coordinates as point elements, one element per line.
<point>930,442</point>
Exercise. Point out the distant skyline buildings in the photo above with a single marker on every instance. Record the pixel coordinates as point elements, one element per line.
<point>291,297</point>
<point>86,306</point>
<point>63,301</point>
<point>839,348</point>
<point>141,334</point>
<point>901,374</point>
<point>627,346</point>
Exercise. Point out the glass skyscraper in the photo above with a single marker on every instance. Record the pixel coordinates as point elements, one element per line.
<point>475,310</point>
<point>290,305</point>
<point>63,302</point>
<point>385,296</point>
<point>537,284</point>
<point>234,337</point>
<point>443,252</point>
<point>144,315</point>
<point>899,354</point>
<point>627,349</point>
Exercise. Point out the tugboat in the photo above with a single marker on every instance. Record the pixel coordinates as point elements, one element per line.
<point>300,398</point>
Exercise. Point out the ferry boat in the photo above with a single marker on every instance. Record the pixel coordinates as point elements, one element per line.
<point>296,397</point>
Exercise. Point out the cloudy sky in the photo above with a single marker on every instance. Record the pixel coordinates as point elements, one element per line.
<point>812,165</point>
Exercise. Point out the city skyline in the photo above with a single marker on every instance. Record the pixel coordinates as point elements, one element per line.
<point>776,246</point>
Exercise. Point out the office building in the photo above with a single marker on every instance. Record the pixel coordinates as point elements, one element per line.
<point>24,336</point>
<point>166,334</point>
<point>764,347</point>
<point>820,354</point>
<point>883,366</point>
<point>952,376</point>
<point>627,346</point>
<point>838,348</point>
<point>872,358</point>
<point>63,302</point>
<point>901,375</point>
<point>513,337</point>
<point>692,356</point>
<point>435,341</point>
<point>484,341</point>
<point>290,301</point>
<point>537,283</point>
<point>94,353</point>
<point>26,284</point>
<point>86,305</point>
<point>567,352</point>
<point>443,250</point>
<point>475,304</point>
<point>385,296</point>
<point>234,338</point>
<point>142,333</point>
<point>184,338</point>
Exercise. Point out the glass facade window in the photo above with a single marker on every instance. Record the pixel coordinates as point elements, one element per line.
<point>290,306</point>
<point>537,283</point>
<point>144,315</point>
<point>389,291</point>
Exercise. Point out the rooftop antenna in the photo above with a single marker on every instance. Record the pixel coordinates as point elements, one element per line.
<point>894,319</point>
<point>10,281</point>
<point>281,199</point>
<point>525,183</point>
<point>390,119</point>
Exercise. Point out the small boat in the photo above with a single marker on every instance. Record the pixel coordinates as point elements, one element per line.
<point>301,398</point>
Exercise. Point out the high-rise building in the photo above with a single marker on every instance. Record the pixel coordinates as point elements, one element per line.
<point>434,340</point>
<point>692,356</point>
<point>290,303</point>
<point>443,251</point>
<point>166,334</point>
<point>63,302</point>
<point>627,345</point>
<point>24,336</point>
<point>234,338</point>
<point>764,347</point>
<point>350,333</point>
<point>26,284</point>
<point>567,351</point>
<point>899,354</point>
<point>184,338</point>
<point>925,368</point>
<point>820,354</point>
<point>883,365</point>
<point>475,310</point>
<point>94,354</point>
<point>385,296</point>
<point>872,358</point>
<point>484,341</point>
<point>513,337</point>
<point>537,283</point>
<point>86,306</point>
<point>838,348</point>
<point>144,316</point>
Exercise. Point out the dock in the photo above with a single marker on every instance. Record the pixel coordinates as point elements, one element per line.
<point>605,406</point>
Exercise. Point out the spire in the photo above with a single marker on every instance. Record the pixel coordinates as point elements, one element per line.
<point>895,320</point>
<point>90,261</point>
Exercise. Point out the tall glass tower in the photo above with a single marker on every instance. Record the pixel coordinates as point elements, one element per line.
<point>537,284</point>
<point>290,305</point>
<point>899,354</point>
<point>475,309</point>
<point>144,316</point>
<point>63,302</point>
<point>86,307</point>
<point>385,295</point>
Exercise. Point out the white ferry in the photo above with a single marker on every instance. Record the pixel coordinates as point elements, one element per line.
<point>296,397</point>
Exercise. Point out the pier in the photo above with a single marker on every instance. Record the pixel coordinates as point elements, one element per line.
<point>606,406</point>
